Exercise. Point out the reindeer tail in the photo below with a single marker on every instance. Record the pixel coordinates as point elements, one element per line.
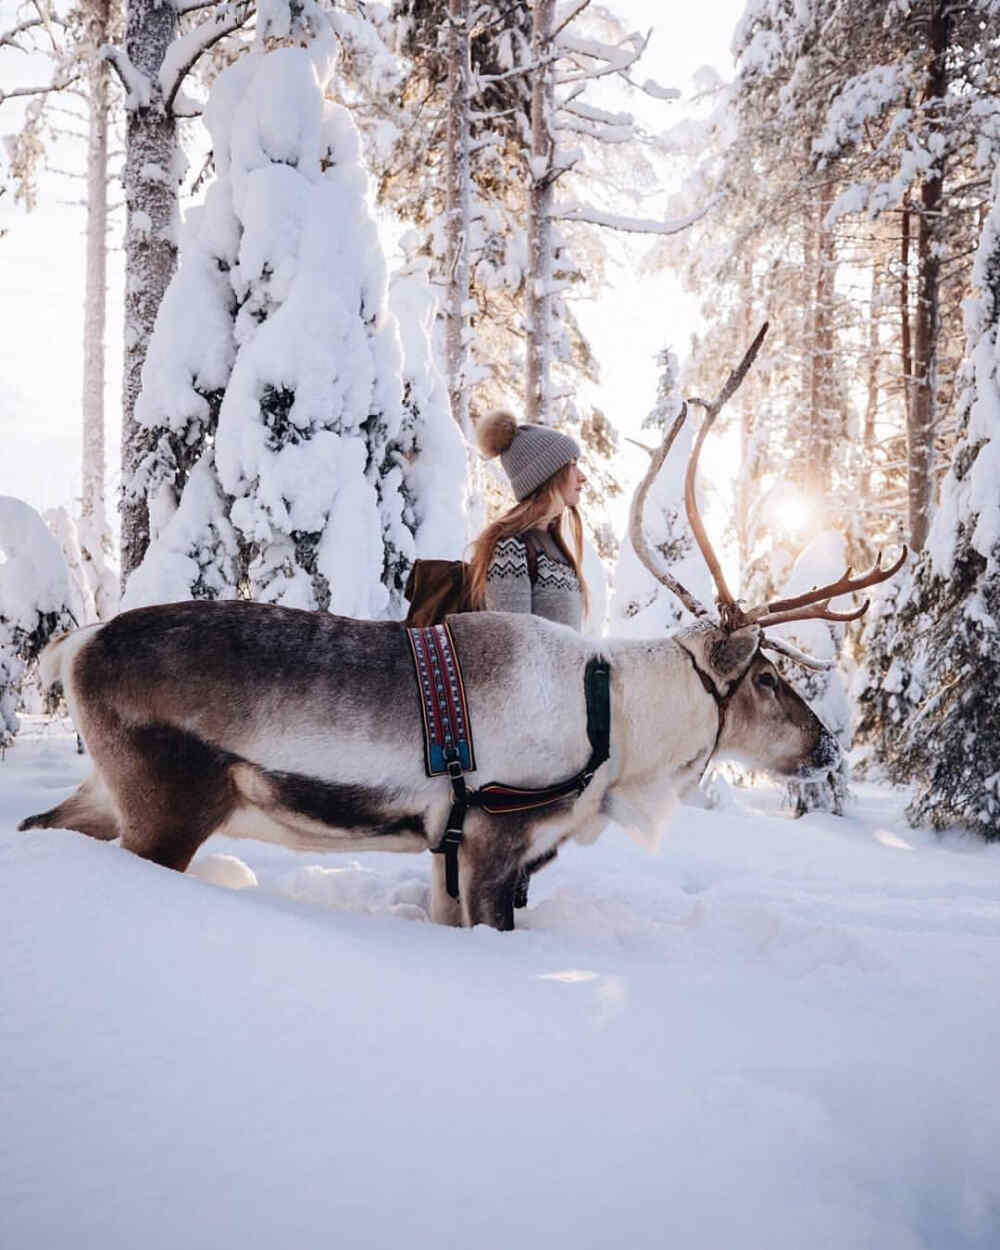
<point>56,655</point>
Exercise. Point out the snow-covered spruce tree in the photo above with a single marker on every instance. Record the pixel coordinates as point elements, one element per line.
<point>34,600</point>
<point>881,680</point>
<point>315,465</point>
<point>642,607</point>
<point>948,634</point>
<point>193,552</point>
<point>822,561</point>
<point>314,401</point>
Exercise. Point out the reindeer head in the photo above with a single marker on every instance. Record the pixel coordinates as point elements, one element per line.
<point>763,721</point>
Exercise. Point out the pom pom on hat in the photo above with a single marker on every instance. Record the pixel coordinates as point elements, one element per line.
<point>530,454</point>
<point>495,433</point>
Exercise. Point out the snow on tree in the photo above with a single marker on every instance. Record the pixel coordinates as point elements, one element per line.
<point>35,600</point>
<point>194,551</point>
<point>642,607</point>
<point>72,45</point>
<point>314,399</point>
<point>947,641</point>
<point>822,561</point>
<point>430,450</point>
<point>879,685</point>
<point>158,56</point>
<point>300,458</point>
<point>81,599</point>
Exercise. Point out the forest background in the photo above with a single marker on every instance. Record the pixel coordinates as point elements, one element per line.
<point>842,184</point>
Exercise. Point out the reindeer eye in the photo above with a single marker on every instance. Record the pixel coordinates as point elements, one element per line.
<point>767,680</point>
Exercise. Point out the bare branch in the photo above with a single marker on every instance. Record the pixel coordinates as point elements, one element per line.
<point>61,85</point>
<point>573,15</point>
<point>9,37</point>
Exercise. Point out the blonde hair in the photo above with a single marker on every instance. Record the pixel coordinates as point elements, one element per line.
<point>529,514</point>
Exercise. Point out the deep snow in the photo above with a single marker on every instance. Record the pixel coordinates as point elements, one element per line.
<point>770,1034</point>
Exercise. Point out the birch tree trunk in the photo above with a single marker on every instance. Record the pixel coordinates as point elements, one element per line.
<point>94,537</point>
<point>821,433</point>
<point>539,285</point>
<point>151,206</point>
<point>457,210</point>
<point>871,407</point>
<point>923,407</point>
<point>905,331</point>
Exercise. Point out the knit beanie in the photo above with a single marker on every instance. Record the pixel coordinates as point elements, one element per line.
<point>530,454</point>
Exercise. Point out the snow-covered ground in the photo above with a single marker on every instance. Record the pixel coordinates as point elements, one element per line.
<point>771,1034</point>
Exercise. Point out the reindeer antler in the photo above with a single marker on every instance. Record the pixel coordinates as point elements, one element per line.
<point>639,543</point>
<point>731,614</point>
<point>814,604</point>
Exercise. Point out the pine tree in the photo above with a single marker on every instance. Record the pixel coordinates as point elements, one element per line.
<point>296,447</point>
<point>35,598</point>
<point>820,562</point>
<point>948,635</point>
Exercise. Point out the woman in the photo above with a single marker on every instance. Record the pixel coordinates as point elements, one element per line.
<point>522,562</point>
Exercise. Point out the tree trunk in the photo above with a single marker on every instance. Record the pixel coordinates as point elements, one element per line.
<point>920,429</point>
<point>95,540</point>
<point>905,335</point>
<point>821,406</point>
<point>457,210</point>
<point>748,467</point>
<point>871,408</point>
<point>539,285</point>
<point>151,207</point>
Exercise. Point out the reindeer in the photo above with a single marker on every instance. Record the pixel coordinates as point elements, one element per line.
<point>303,728</point>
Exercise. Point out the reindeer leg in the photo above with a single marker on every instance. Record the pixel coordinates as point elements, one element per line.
<point>526,872</point>
<point>444,908</point>
<point>87,810</point>
<point>174,791</point>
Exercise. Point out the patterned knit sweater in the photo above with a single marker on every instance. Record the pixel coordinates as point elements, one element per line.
<point>555,593</point>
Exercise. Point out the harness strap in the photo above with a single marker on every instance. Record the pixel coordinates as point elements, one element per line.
<point>721,702</point>
<point>497,799</point>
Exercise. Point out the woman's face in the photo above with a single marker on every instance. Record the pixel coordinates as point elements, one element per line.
<point>573,484</point>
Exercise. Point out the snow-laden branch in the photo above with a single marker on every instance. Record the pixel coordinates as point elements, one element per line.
<point>60,85</point>
<point>185,51</point>
<point>653,89</point>
<point>630,225</point>
<point>138,86</point>
<point>588,113</point>
<point>603,132</point>
<point>611,58</point>
<point>9,37</point>
<point>191,6</point>
<point>619,55</point>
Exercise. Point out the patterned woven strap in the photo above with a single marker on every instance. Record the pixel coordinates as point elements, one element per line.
<point>442,699</point>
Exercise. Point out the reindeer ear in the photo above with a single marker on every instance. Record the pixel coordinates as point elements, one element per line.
<point>730,654</point>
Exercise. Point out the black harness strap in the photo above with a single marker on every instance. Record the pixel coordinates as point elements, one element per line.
<point>497,799</point>
<point>722,701</point>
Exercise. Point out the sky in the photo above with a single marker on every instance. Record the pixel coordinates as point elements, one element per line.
<point>41,292</point>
